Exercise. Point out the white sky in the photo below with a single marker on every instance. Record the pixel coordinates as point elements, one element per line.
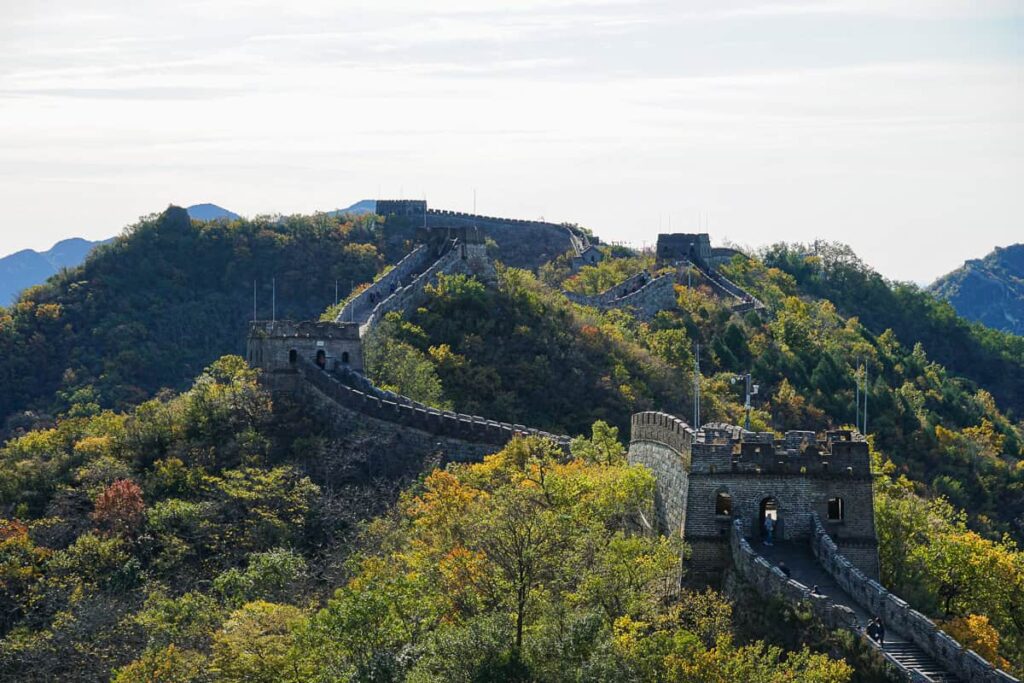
<point>895,126</point>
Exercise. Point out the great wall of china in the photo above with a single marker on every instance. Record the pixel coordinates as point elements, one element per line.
<point>714,485</point>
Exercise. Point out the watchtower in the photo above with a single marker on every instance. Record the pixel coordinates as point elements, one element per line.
<point>278,347</point>
<point>683,246</point>
<point>708,478</point>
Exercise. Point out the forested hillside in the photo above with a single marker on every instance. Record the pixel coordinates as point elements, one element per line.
<point>168,297</point>
<point>217,535</point>
<point>988,290</point>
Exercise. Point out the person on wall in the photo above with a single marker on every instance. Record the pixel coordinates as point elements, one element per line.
<point>769,529</point>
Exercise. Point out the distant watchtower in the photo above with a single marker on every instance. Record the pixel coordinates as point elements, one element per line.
<point>277,348</point>
<point>679,246</point>
<point>406,208</point>
<point>708,478</point>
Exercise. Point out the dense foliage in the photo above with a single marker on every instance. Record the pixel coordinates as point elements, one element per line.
<point>521,353</point>
<point>989,290</point>
<point>168,297</point>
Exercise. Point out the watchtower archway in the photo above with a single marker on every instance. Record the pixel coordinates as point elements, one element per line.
<point>321,359</point>
<point>768,510</point>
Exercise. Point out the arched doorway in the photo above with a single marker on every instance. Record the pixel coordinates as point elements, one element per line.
<point>321,359</point>
<point>344,357</point>
<point>293,356</point>
<point>767,530</point>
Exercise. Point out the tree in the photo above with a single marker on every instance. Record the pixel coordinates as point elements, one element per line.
<point>120,509</point>
<point>255,645</point>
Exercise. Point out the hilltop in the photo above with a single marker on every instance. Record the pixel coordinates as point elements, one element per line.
<point>164,510</point>
<point>28,267</point>
<point>989,290</point>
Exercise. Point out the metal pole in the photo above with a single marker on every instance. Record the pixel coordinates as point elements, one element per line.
<point>254,301</point>
<point>747,404</point>
<point>273,300</point>
<point>856,378</point>
<point>696,386</point>
<point>865,399</point>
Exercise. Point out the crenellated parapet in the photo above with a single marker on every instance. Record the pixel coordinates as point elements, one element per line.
<point>897,614</point>
<point>355,392</point>
<point>771,582</point>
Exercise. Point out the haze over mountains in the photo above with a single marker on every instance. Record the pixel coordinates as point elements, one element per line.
<point>988,290</point>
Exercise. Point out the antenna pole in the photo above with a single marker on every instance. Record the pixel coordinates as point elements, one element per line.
<point>273,300</point>
<point>856,420</point>
<point>696,386</point>
<point>865,399</point>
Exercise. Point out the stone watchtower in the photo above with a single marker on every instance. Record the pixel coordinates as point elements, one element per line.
<point>710,477</point>
<point>279,347</point>
<point>679,246</point>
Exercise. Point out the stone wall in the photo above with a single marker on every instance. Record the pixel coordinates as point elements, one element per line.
<point>662,443</point>
<point>918,628</point>
<point>627,286</point>
<point>374,402</point>
<point>521,243</point>
<point>270,344</point>
<point>799,499</point>
<point>658,294</point>
<point>359,307</point>
<point>770,582</point>
<point>410,296</point>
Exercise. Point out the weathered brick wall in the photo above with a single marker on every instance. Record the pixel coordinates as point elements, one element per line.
<point>522,243</point>
<point>360,306</point>
<point>662,443</point>
<point>870,594</point>
<point>373,402</point>
<point>270,343</point>
<point>769,581</point>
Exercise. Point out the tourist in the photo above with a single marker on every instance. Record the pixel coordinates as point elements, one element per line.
<point>769,528</point>
<point>785,569</point>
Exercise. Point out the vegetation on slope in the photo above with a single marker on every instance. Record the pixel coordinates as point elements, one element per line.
<point>989,290</point>
<point>167,298</point>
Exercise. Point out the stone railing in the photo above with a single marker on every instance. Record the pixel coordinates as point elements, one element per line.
<point>916,627</point>
<point>662,428</point>
<point>438,215</point>
<point>628,286</point>
<point>770,581</point>
<point>374,402</point>
<point>404,271</point>
<point>408,296</point>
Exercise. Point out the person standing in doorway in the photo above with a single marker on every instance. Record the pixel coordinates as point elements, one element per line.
<point>769,529</point>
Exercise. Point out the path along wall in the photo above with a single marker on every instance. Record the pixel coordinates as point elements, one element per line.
<point>522,243</point>
<point>397,409</point>
<point>404,272</point>
<point>870,594</point>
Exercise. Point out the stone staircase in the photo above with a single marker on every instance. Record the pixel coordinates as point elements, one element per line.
<point>805,569</point>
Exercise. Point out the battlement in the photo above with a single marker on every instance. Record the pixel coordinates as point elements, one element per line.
<point>664,429</point>
<point>719,447</point>
<point>306,329</point>
<point>401,207</point>
<point>353,391</point>
<point>679,246</point>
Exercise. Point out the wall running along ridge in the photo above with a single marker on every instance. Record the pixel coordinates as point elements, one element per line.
<point>374,402</point>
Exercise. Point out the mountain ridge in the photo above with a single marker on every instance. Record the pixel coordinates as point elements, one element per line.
<point>989,290</point>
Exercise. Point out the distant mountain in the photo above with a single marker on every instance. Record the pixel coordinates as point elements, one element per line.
<point>989,290</point>
<point>362,206</point>
<point>210,212</point>
<point>28,267</point>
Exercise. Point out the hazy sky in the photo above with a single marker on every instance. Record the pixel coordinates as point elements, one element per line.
<point>895,126</point>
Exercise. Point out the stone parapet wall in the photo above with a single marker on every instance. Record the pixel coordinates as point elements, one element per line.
<point>869,594</point>
<point>770,582</point>
<point>402,410</point>
<point>359,306</point>
<point>663,428</point>
<point>411,295</point>
<point>624,288</point>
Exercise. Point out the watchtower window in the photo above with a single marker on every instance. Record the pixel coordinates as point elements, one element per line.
<point>836,509</point>
<point>344,357</point>
<point>723,504</point>
<point>293,356</point>
<point>321,359</point>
